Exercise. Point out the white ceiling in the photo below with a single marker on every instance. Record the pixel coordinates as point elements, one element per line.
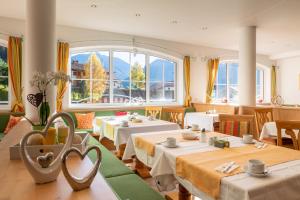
<point>278,21</point>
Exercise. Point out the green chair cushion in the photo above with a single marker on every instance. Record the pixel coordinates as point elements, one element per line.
<point>132,187</point>
<point>111,166</point>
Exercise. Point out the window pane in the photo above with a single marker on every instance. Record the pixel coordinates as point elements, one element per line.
<point>3,67</point>
<point>156,91</point>
<point>169,91</point>
<point>90,75</point>
<point>84,63</point>
<point>233,93</point>
<point>138,69</point>
<point>156,69</point>
<point>79,93</point>
<point>121,92</point>
<point>169,71</point>
<point>220,91</point>
<point>258,93</point>
<point>233,73</point>
<point>100,91</point>
<point>121,65</point>
<point>222,74</point>
<point>3,91</point>
<point>138,91</point>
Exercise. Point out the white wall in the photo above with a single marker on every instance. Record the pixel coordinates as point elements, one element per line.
<point>82,37</point>
<point>288,80</point>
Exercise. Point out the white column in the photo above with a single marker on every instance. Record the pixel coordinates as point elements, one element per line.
<point>247,66</point>
<point>40,48</point>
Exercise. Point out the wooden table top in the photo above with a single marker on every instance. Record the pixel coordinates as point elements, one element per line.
<point>17,183</point>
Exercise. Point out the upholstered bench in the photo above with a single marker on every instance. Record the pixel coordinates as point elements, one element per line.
<point>111,166</point>
<point>126,184</point>
<point>132,187</point>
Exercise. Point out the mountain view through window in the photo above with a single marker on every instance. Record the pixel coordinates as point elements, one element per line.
<point>118,77</point>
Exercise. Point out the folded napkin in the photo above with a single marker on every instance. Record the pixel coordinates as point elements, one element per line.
<point>227,168</point>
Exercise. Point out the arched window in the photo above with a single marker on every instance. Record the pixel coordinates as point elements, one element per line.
<point>117,77</point>
<point>4,79</point>
<point>226,85</point>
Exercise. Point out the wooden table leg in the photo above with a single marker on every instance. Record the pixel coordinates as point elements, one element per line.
<point>184,194</point>
<point>141,169</point>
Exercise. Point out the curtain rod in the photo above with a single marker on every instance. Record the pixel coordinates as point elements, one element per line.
<point>8,34</point>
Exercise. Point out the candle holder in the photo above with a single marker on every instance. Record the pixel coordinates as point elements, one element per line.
<point>39,173</point>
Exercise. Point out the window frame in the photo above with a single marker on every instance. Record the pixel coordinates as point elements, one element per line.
<point>228,62</point>
<point>148,53</point>
<point>6,107</point>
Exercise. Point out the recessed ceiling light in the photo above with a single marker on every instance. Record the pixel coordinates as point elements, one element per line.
<point>94,6</point>
<point>137,14</point>
<point>204,28</point>
<point>174,22</point>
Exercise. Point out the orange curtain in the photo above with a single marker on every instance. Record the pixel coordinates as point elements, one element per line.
<point>187,81</point>
<point>62,65</point>
<point>14,57</point>
<point>273,82</point>
<point>212,65</point>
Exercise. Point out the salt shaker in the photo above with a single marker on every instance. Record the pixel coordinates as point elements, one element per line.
<point>203,135</point>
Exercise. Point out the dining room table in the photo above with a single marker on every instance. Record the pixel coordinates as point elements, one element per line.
<point>17,182</point>
<point>193,164</point>
<point>111,128</point>
<point>202,119</point>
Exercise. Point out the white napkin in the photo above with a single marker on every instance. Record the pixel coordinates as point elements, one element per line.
<point>260,145</point>
<point>227,167</point>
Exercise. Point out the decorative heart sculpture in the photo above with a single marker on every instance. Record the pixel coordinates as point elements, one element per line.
<point>40,174</point>
<point>85,182</point>
<point>45,160</point>
<point>35,99</point>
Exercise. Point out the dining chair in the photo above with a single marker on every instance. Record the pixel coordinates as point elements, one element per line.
<point>237,125</point>
<point>262,115</point>
<point>292,129</point>
<point>175,114</point>
<point>154,111</point>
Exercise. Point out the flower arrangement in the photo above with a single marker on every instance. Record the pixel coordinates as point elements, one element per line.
<point>41,81</point>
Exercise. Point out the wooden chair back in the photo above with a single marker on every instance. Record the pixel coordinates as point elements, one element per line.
<point>263,115</point>
<point>175,115</point>
<point>292,128</point>
<point>154,111</point>
<point>241,124</point>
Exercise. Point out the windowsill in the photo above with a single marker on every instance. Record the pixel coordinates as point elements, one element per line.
<point>118,106</point>
<point>5,108</point>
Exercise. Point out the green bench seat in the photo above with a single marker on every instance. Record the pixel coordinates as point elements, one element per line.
<point>132,187</point>
<point>1,136</point>
<point>121,179</point>
<point>111,166</point>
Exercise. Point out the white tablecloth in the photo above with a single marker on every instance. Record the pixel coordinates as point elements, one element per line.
<point>202,119</point>
<point>269,130</point>
<point>283,182</point>
<point>122,134</point>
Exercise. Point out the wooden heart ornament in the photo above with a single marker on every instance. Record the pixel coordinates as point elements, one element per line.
<point>35,99</point>
<point>46,172</point>
<point>85,182</point>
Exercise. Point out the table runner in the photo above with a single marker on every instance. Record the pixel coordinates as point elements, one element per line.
<point>199,168</point>
<point>148,142</point>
